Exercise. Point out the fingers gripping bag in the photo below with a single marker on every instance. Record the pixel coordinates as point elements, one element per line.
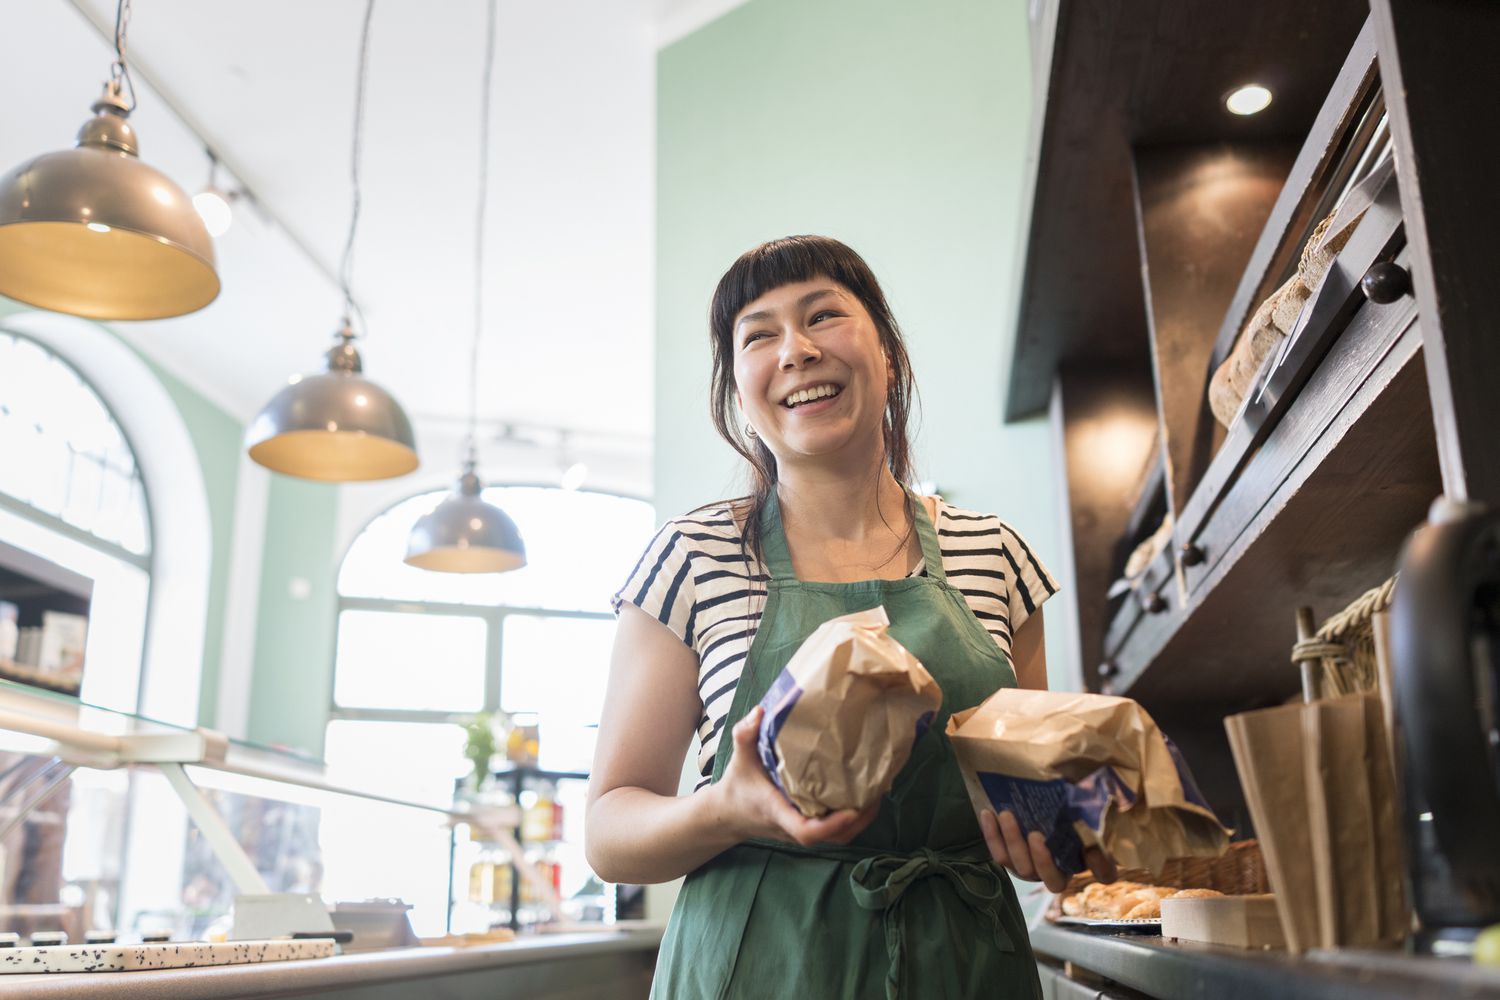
<point>1085,770</point>
<point>841,719</point>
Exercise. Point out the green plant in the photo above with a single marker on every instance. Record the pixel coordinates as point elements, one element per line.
<point>480,746</point>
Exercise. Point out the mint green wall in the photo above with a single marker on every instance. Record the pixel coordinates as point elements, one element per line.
<point>293,670</point>
<point>899,128</point>
<point>216,437</point>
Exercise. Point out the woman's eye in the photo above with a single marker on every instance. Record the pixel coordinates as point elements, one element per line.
<point>751,338</point>
<point>818,317</point>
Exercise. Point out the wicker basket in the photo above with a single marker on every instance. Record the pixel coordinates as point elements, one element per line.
<point>1342,651</point>
<point>1239,871</point>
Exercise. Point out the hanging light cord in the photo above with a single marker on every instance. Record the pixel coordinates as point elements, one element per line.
<point>346,263</point>
<point>119,71</point>
<point>484,177</point>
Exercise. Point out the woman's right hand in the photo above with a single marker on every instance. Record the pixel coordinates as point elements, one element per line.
<point>752,805</point>
<point>1028,857</point>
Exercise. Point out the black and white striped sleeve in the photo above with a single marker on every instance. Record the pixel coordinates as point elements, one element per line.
<point>1030,582</point>
<point>662,582</point>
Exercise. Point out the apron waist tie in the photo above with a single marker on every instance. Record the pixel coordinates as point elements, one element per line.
<point>880,881</point>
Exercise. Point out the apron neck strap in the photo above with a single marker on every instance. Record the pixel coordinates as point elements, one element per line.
<point>773,541</point>
<point>932,553</point>
<point>778,557</point>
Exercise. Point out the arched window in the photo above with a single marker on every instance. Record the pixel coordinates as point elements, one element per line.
<point>75,522</point>
<point>419,653</point>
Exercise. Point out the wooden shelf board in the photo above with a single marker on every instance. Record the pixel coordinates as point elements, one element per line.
<point>1326,532</point>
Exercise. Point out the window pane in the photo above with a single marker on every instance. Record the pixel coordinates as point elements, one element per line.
<point>371,850</point>
<point>557,667</point>
<point>393,659</point>
<point>65,454</point>
<point>580,546</point>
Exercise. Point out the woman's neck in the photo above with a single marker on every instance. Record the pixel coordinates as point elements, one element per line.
<point>852,511</point>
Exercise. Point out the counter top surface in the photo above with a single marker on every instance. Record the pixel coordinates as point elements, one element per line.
<point>279,978</point>
<point>1170,970</point>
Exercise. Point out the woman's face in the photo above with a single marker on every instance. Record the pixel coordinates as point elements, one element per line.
<point>809,371</point>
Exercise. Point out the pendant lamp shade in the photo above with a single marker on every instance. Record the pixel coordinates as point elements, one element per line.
<point>337,426</point>
<point>94,232</point>
<point>463,534</point>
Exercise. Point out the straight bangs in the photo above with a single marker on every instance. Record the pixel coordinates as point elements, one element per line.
<point>786,262</point>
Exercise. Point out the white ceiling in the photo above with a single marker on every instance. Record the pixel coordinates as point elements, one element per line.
<point>569,279</point>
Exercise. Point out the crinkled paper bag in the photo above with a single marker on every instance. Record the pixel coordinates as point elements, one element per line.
<point>842,718</point>
<point>1085,770</point>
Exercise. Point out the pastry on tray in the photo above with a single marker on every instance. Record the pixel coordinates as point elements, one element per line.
<point>1125,900</point>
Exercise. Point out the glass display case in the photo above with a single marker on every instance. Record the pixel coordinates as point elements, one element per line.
<point>114,823</point>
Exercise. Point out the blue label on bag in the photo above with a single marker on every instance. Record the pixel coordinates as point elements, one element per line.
<point>1038,805</point>
<point>1053,806</point>
<point>778,703</point>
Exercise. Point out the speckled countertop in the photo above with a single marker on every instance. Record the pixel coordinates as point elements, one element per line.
<point>341,971</point>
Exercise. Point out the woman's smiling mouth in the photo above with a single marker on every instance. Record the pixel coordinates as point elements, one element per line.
<point>812,395</point>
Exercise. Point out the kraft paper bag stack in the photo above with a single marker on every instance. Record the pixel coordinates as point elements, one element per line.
<point>1321,790</point>
<point>1085,770</point>
<point>842,718</point>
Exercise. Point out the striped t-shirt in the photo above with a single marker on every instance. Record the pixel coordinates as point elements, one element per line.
<point>697,579</point>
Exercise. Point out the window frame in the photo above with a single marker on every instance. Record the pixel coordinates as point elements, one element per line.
<point>144,561</point>
<point>494,616</point>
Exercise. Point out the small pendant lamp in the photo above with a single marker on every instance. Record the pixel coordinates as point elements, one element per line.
<point>94,232</point>
<point>463,534</point>
<point>337,426</point>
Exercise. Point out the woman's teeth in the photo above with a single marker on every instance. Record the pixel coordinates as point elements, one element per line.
<point>809,395</point>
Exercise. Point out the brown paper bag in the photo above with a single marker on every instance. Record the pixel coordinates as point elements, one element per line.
<point>1321,790</point>
<point>1084,770</point>
<point>1268,754</point>
<point>841,719</point>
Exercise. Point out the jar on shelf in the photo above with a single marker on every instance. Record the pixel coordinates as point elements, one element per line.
<point>539,815</point>
<point>523,746</point>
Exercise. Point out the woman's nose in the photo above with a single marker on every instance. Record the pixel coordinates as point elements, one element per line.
<point>797,350</point>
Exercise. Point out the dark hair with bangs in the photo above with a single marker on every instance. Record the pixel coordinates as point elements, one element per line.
<point>764,269</point>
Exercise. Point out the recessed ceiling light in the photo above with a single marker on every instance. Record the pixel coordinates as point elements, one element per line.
<point>1247,100</point>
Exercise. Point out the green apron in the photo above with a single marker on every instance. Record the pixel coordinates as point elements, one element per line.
<point>913,907</point>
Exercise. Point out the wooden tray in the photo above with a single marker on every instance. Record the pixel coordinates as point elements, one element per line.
<point>1236,921</point>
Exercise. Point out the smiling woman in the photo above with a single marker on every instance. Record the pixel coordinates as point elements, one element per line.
<point>824,271</point>
<point>812,385</point>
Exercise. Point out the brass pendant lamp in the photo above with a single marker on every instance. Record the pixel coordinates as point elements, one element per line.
<point>94,232</point>
<point>337,425</point>
<point>463,534</point>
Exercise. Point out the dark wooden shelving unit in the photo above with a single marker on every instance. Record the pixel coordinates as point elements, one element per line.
<point>1159,224</point>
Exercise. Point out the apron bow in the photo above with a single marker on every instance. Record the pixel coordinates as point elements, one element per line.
<point>881,883</point>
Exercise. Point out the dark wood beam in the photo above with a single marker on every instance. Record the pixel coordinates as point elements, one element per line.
<point>1440,64</point>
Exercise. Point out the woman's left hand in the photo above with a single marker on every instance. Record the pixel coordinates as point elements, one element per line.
<point>1028,857</point>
